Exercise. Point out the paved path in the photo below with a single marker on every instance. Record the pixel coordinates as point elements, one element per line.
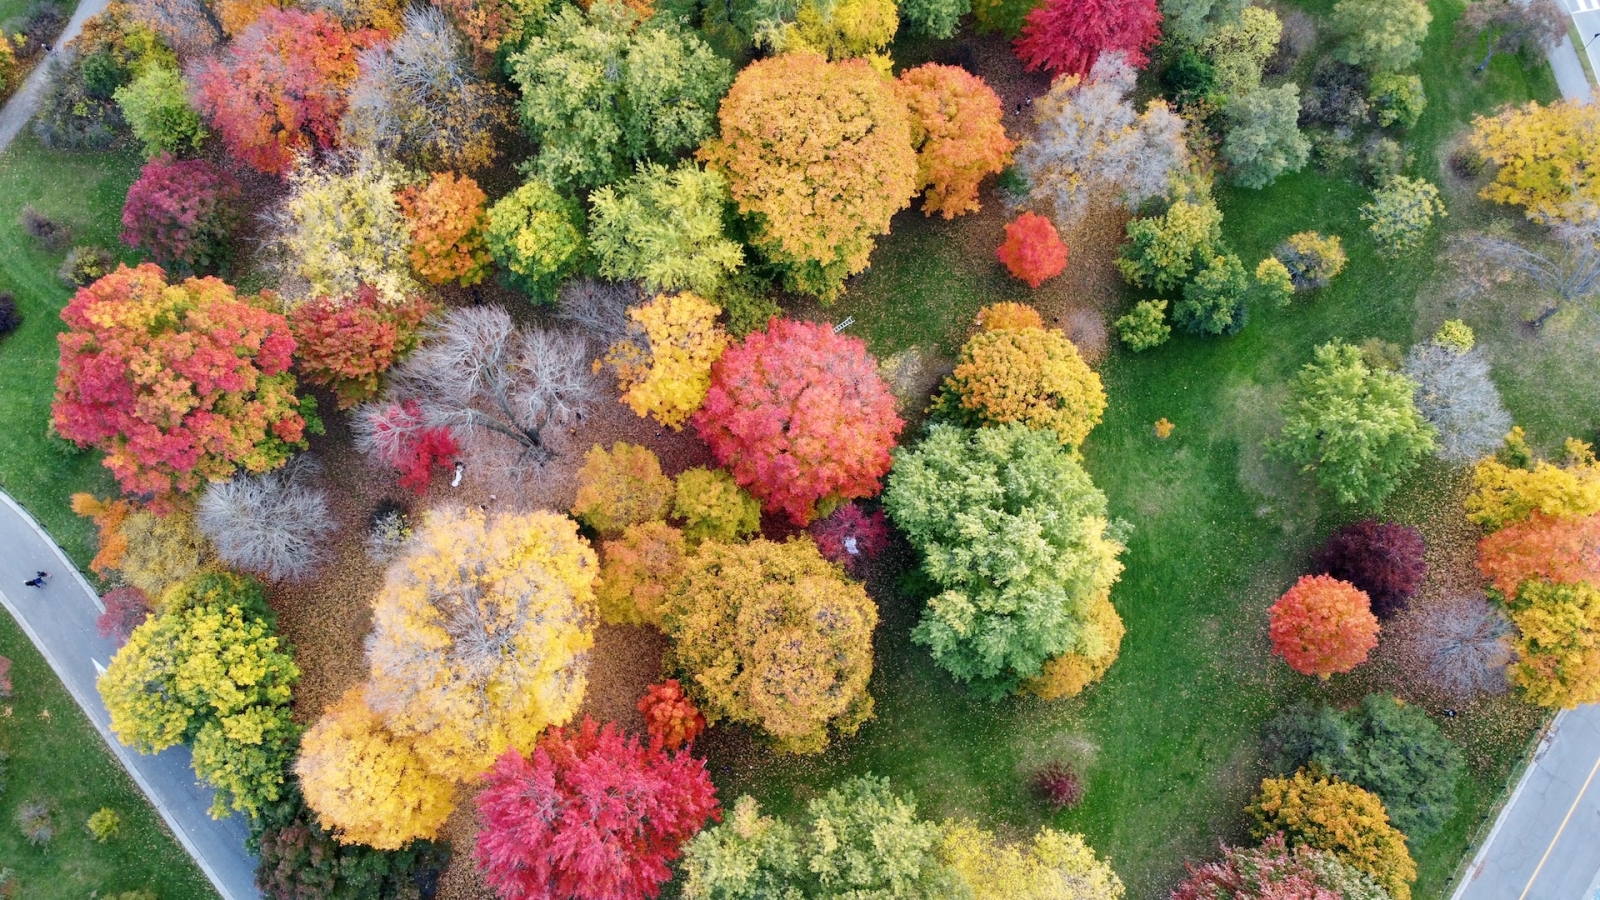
<point>1570,78</point>
<point>60,619</point>
<point>25,102</point>
<point>1546,843</point>
<point>1586,16</point>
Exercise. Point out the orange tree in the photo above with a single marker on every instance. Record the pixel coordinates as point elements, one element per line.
<point>958,135</point>
<point>1328,814</point>
<point>1323,626</point>
<point>347,343</point>
<point>636,571</point>
<point>1563,550</point>
<point>446,216</point>
<point>818,155</point>
<point>1033,251</point>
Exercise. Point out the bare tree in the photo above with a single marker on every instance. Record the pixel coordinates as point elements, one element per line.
<point>1455,394</point>
<point>504,392</point>
<point>1567,269</point>
<point>272,524</point>
<point>1464,646</point>
<point>1090,142</point>
<point>599,308</point>
<point>191,27</point>
<point>1515,26</point>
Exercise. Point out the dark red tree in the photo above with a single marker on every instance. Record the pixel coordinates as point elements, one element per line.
<point>589,816</point>
<point>851,537</point>
<point>1058,785</point>
<point>670,717</point>
<point>1382,558</point>
<point>181,212</point>
<point>397,435</point>
<point>126,609</point>
<point>1065,37</point>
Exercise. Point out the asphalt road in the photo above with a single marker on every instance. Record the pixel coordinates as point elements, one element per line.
<point>60,619</point>
<point>1586,15</point>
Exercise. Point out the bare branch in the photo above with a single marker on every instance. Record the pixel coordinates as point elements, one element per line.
<point>272,524</point>
<point>1455,394</point>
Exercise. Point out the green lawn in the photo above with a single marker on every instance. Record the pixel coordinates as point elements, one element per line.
<point>1170,740</point>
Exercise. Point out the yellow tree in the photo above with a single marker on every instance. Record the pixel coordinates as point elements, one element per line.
<point>1039,870</point>
<point>1558,642</point>
<point>775,636</point>
<point>1100,642</point>
<point>1506,494</point>
<point>664,364</point>
<point>1548,156</point>
<point>366,786</point>
<point>620,487</point>
<point>480,635</point>
<point>1328,814</point>
<point>636,571</point>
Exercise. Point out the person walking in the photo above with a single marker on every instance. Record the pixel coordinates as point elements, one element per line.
<point>37,580</point>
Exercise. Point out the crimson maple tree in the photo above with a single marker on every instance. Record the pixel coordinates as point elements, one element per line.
<point>851,536</point>
<point>180,212</point>
<point>798,413</point>
<point>280,88</point>
<point>178,384</point>
<point>1066,37</point>
<point>1323,626</point>
<point>398,435</point>
<point>1033,251</point>
<point>591,815</point>
<point>346,343</point>
<point>1384,559</point>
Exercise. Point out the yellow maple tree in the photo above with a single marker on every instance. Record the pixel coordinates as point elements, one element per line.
<point>1549,161</point>
<point>1505,494</point>
<point>997,871</point>
<point>664,365</point>
<point>1558,642</point>
<point>1325,813</point>
<point>1034,376</point>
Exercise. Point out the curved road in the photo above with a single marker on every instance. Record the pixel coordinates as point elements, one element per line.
<point>60,620</point>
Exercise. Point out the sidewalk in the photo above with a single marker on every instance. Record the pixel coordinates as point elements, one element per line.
<point>25,102</point>
<point>60,620</point>
<point>1568,69</point>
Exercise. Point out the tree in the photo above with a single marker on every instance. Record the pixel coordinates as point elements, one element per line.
<point>1506,494</point>
<point>1566,270</point>
<point>1513,27</point>
<point>799,414</point>
<point>1312,260</point>
<point>1331,815</point>
<point>1033,376</point>
<point>1382,559</point>
<point>1397,99</point>
<point>479,635</point>
<point>1323,626</point>
<point>1463,646</point>
<point>1014,535</point>
<point>664,227</point>
<point>340,227</point>
<point>108,517</point>
<point>418,100</point>
<point>1163,251</point>
<point>1275,870</point>
<point>1401,212</point>
<point>181,213</point>
<point>1068,38</point>
<point>1033,251</point>
<point>1099,643</point>
<point>1091,145</point>
<point>590,816</point>
<point>1043,868</point>
<point>851,537</point>
<point>1379,35</point>
<point>399,436</point>
<point>621,487</point>
<point>177,384</point>
<point>714,507</point>
<point>844,30</point>
<point>936,19</point>
<point>602,92</point>
<point>273,524</point>
<point>670,717</point>
<point>162,550</point>
<point>1356,428</point>
<point>207,670</point>
<point>1145,326</point>
<point>1239,50</point>
<point>1547,163</point>
<point>366,786</point>
<point>636,571</point>
<point>490,25</point>
<point>156,107</point>
<point>957,132</point>
<point>347,343</point>
<point>279,88</point>
<point>1558,642</point>
<point>447,217</point>
<point>1455,394</point>
<point>1564,550</point>
<point>1006,314</point>
<point>774,636</point>
<point>1263,135</point>
<point>1190,21</point>
<point>1386,746</point>
<point>747,857</point>
<point>816,203</point>
<point>536,235</point>
<point>664,364</point>
<point>1213,301</point>
<point>298,860</point>
<point>504,392</point>
<point>126,608</point>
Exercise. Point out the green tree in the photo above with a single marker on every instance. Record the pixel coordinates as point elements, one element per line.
<point>1146,326</point>
<point>536,235</point>
<point>1401,212</point>
<point>1263,135</point>
<point>602,92</point>
<point>1397,99</point>
<point>156,108</point>
<point>1163,250</point>
<point>1190,21</point>
<point>1213,303</point>
<point>1380,35</point>
<point>933,18</point>
<point>1357,428</point>
<point>664,227</point>
<point>1015,535</point>
<point>1239,49</point>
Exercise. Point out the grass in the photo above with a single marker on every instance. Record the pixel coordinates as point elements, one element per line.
<point>1169,742</point>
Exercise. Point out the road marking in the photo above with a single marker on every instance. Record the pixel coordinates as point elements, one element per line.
<point>1583,6</point>
<point>1575,801</point>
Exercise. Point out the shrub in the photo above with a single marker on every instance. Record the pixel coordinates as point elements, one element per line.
<point>398,436</point>
<point>1381,160</point>
<point>1274,870</point>
<point>347,343</point>
<point>70,116</point>
<point>1455,394</point>
<point>621,487</point>
<point>1033,376</point>
<point>714,507</point>
<point>1455,335</point>
<point>851,536</point>
<point>1323,626</point>
<point>1383,559</point>
<point>156,108</point>
<point>273,524</point>
<point>664,364</point>
<point>1213,303</point>
<point>536,236</point>
<point>1312,260</point>
<point>105,824</point>
<point>1340,818</point>
<point>1465,646</point>
<point>182,213</point>
<point>10,317</point>
<point>126,608</point>
<point>636,571</point>
<point>1401,213</point>
<point>1273,285</point>
<point>1059,786</point>
<point>388,529</point>
<point>83,265</point>
<point>1398,99</point>
<point>33,818</point>
<point>446,217</point>
<point>50,234</point>
<point>1032,251</point>
<point>670,717</point>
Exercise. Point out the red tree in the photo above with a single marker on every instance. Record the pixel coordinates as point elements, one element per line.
<point>798,413</point>
<point>1563,550</point>
<point>1269,872</point>
<point>1382,558</point>
<point>346,343</point>
<point>177,384</point>
<point>851,537</point>
<point>180,212</point>
<point>398,436</point>
<point>670,717</point>
<point>1067,36</point>
<point>589,816</point>
<point>1323,626</point>
<point>280,88</point>
<point>1033,251</point>
<point>126,608</point>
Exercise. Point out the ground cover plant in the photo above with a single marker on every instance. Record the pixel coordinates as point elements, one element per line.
<point>1155,655</point>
